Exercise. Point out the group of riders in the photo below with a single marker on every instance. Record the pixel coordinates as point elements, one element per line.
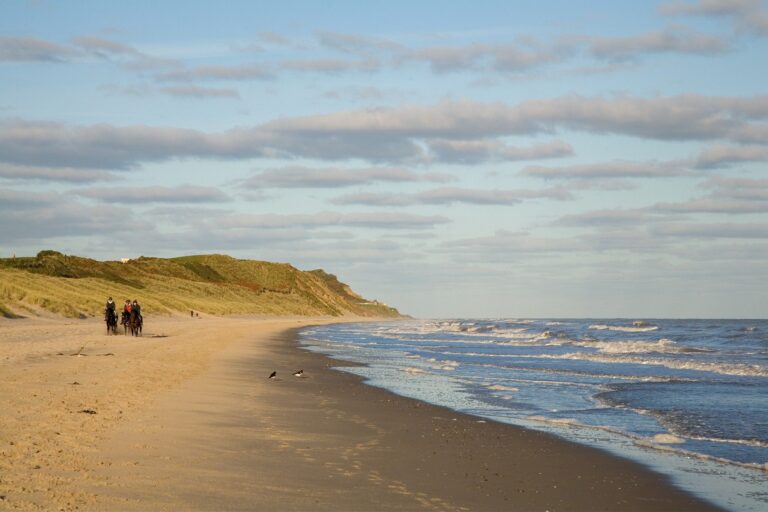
<point>129,308</point>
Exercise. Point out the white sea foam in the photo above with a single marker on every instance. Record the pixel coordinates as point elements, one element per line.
<point>656,442</point>
<point>622,328</point>
<point>720,368</point>
<point>444,365</point>
<point>571,422</point>
<point>667,439</point>
<point>663,345</point>
<point>414,371</point>
<point>500,387</point>
<point>473,329</point>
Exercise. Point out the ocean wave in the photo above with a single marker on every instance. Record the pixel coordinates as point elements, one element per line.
<point>667,439</point>
<point>623,328</point>
<point>500,330</point>
<point>501,387</point>
<point>446,365</point>
<point>750,370</point>
<point>746,442</point>
<point>649,443</point>
<point>663,346</point>
<point>725,369</point>
<point>661,442</point>
<point>569,422</point>
<point>535,339</point>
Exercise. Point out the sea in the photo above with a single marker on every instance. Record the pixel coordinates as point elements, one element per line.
<point>687,398</point>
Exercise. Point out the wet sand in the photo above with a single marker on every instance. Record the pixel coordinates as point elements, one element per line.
<point>216,434</point>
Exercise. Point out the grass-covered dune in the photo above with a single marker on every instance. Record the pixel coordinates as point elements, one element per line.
<point>214,284</point>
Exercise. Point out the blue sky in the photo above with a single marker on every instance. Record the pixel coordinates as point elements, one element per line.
<point>465,159</point>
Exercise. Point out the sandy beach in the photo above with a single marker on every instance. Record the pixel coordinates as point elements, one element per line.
<point>184,418</point>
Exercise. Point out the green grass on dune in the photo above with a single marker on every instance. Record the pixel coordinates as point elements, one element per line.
<point>214,284</point>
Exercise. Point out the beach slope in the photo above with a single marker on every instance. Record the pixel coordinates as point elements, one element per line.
<point>191,421</point>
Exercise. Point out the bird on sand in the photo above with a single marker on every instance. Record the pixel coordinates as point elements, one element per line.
<point>273,375</point>
<point>299,373</point>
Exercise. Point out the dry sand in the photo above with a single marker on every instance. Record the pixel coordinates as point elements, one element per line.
<point>58,408</point>
<point>185,418</point>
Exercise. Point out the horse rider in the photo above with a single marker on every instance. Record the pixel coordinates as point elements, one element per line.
<point>110,308</point>
<point>126,310</point>
<point>137,308</point>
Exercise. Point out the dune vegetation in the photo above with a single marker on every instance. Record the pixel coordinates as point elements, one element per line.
<point>215,284</point>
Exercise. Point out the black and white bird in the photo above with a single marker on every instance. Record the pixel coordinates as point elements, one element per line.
<point>299,373</point>
<point>273,375</point>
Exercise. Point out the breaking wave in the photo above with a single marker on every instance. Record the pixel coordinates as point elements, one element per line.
<point>622,328</point>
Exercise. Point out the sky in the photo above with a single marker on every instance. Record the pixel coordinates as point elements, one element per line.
<point>452,159</point>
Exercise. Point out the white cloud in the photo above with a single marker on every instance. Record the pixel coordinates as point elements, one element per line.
<point>476,151</point>
<point>120,53</point>
<point>333,177</point>
<point>357,44</point>
<point>504,245</point>
<point>394,135</point>
<point>249,71</point>
<point>155,194</point>
<point>55,174</point>
<point>512,57</point>
<point>722,155</point>
<point>31,217</point>
<point>715,206</point>
<point>712,230</point>
<point>605,218</point>
<point>331,66</point>
<point>451,195</point>
<point>30,49</point>
<point>11,199</point>
<point>681,117</point>
<point>750,15</point>
<point>673,39</point>
<point>274,38</point>
<point>617,169</point>
<point>728,196</point>
<point>384,220</point>
<point>192,91</point>
<point>448,195</point>
<point>375,199</point>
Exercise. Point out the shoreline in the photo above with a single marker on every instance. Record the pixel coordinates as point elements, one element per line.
<point>621,480</point>
<point>328,441</point>
<point>206,430</point>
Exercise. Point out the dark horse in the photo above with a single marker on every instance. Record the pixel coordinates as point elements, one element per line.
<point>125,321</point>
<point>111,320</point>
<point>135,323</point>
